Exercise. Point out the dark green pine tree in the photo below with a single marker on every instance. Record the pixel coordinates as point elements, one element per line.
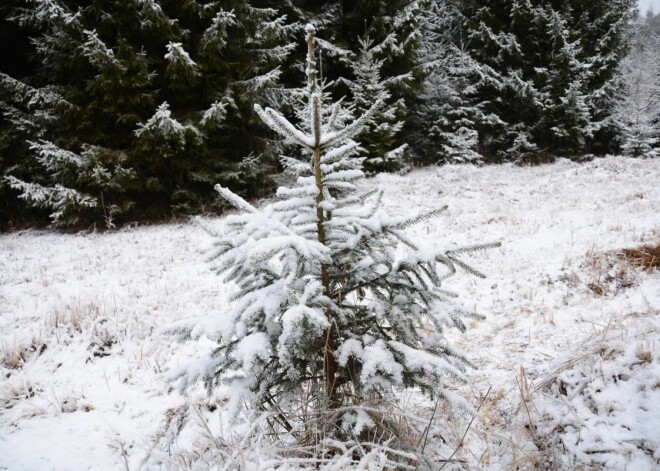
<point>565,122</point>
<point>394,28</point>
<point>454,115</point>
<point>61,165</point>
<point>380,144</point>
<point>15,52</point>
<point>448,109</point>
<point>548,86</point>
<point>601,29</point>
<point>154,105</point>
<point>228,55</point>
<point>500,87</point>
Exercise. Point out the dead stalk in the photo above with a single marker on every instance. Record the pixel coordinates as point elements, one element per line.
<point>448,460</point>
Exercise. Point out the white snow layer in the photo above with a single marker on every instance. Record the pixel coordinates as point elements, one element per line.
<point>572,362</point>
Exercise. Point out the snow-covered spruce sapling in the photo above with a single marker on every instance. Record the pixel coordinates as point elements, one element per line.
<point>323,300</point>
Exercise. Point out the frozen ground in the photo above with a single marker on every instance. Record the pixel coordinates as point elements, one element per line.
<point>570,348</point>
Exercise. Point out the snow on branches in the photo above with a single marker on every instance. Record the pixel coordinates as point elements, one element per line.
<point>636,113</point>
<point>323,301</point>
<point>163,126</point>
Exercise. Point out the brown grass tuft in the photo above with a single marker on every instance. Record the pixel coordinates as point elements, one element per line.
<point>617,270</point>
<point>646,257</point>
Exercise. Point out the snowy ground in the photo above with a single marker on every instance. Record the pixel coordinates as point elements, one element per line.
<point>570,349</point>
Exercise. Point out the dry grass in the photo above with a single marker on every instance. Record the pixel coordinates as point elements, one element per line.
<point>89,319</point>
<point>13,391</point>
<point>72,317</point>
<point>646,257</point>
<point>644,353</point>
<point>15,356</point>
<point>617,270</point>
<point>403,435</point>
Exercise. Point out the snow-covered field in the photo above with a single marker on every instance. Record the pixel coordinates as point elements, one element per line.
<point>568,356</point>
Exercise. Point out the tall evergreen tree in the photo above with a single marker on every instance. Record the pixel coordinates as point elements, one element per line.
<point>379,141</point>
<point>453,111</point>
<point>499,87</point>
<point>548,90</point>
<point>565,119</point>
<point>636,113</point>
<point>159,92</point>
<point>15,53</point>
<point>446,109</point>
<point>601,29</point>
<point>394,27</point>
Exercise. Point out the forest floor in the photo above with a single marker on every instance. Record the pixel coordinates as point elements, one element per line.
<point>568,356</point>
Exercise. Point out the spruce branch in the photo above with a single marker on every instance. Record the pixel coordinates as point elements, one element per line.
<point>235,200</point>
<point>480,248</point>
<point>338,153</point>
<point>334,138</point>
<point>409,222</point>
<point>282,126</point>
<point>334,115</point>
<point>454,261</point>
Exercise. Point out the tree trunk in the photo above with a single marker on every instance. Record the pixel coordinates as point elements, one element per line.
<point>329,362</point>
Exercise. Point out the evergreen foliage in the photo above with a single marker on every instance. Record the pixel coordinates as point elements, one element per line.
<point>540,74</point>
<point>379,142</point>
<point>323,302</point>
<point>157,100</point>
<point>394,30</point>
<point>15,49</point>
<point>602,29</point>
<point>636,113</point>
<point>452,111</point>
<point>153,97</point>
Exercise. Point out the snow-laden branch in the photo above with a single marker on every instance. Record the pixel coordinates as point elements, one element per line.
<point>335,138</point>
<point>282,126</point>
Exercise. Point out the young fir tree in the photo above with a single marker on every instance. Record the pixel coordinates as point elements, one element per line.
<point>324,304</point>
<point>636,113</point>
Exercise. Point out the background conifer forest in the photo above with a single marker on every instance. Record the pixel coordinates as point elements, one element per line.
<point>116,112</point>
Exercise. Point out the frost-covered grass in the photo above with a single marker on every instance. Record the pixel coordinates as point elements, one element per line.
<point>570,349</point>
